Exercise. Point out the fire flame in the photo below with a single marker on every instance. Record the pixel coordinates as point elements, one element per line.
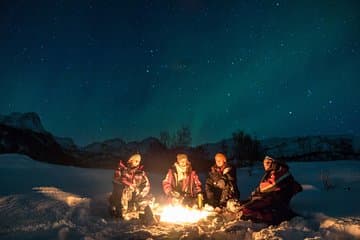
<point>179,214</point>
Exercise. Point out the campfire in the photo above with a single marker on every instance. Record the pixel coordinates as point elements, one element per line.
<point>180,214</point>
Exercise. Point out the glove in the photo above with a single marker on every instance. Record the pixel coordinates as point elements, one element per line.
<point>220,184</point>
<point>175,194</point>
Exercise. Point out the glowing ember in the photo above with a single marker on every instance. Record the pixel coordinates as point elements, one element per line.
<point>180,214</point>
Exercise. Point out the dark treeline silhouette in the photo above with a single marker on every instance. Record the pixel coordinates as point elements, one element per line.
<point>244,149</point>
<point>159,153</point>
<point>180,138</point>
<point>247,149</point>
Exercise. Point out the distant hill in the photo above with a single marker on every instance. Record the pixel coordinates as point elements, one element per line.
<point>39,146</point>
<point>24,133</point>
<point>332,147</point>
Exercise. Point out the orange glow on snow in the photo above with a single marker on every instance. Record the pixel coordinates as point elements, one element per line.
<point>180,214</point>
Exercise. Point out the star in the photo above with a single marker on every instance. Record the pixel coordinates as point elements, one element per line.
<point>308,93</point>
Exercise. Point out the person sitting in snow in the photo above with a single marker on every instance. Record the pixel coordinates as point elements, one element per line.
<point>131,187</point>
<point>182,184</point>
<point>269,202</point>
<point>220,184</point>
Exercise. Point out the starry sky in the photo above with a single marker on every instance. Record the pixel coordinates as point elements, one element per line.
<point>96,70</point>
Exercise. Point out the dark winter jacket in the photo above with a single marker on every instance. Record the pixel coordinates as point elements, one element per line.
<point>190,186</point>
<point>223,179</point>
<point>134,178</point>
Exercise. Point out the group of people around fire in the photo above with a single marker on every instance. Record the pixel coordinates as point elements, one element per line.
<point>268,203</point>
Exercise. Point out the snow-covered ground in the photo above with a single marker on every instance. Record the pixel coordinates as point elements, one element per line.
<point>44,201</point>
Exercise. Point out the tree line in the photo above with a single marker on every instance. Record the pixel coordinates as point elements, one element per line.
<point>244,150</point>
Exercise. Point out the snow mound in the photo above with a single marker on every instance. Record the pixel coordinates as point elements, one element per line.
<point>311,228</point>
<point>53,192</point>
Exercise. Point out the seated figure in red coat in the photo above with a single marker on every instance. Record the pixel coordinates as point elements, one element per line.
<point>269,202</point>
<point>181,184</point>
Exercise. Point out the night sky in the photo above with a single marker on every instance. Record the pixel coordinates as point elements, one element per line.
<point>96,70</point>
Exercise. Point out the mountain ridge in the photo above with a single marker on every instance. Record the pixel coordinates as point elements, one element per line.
<point>24,133</point>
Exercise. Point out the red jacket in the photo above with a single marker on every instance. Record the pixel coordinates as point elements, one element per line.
<point>191,185</point>
<point>273,179</point>
<point>135,178</point>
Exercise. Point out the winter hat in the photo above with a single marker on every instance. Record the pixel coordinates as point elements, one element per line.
<point>181,156</point>
<point>269,158</point>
